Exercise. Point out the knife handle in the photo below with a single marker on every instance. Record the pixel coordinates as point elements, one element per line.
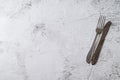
<point>97,52</point>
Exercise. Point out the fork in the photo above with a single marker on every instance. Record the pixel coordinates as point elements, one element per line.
<point>99,30</point>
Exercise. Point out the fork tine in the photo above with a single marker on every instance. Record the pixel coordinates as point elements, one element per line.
<point>103,21</point>
<point>99,20</point>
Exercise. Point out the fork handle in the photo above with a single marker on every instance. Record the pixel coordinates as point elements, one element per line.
<point>89,55</point>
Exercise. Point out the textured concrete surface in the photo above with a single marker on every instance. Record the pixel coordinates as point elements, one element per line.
<point>50,39</point>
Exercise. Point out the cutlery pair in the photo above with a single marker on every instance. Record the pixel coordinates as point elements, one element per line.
<point>101,32</point>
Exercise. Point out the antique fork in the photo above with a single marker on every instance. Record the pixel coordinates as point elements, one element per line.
<point>99,29</point>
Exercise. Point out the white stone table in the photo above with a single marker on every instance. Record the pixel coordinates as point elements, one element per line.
<point>50,39</point>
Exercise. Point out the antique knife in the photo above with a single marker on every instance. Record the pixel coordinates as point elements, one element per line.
<point>96,54</point>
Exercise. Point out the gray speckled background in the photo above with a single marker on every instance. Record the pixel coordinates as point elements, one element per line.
<point>50,39</point>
